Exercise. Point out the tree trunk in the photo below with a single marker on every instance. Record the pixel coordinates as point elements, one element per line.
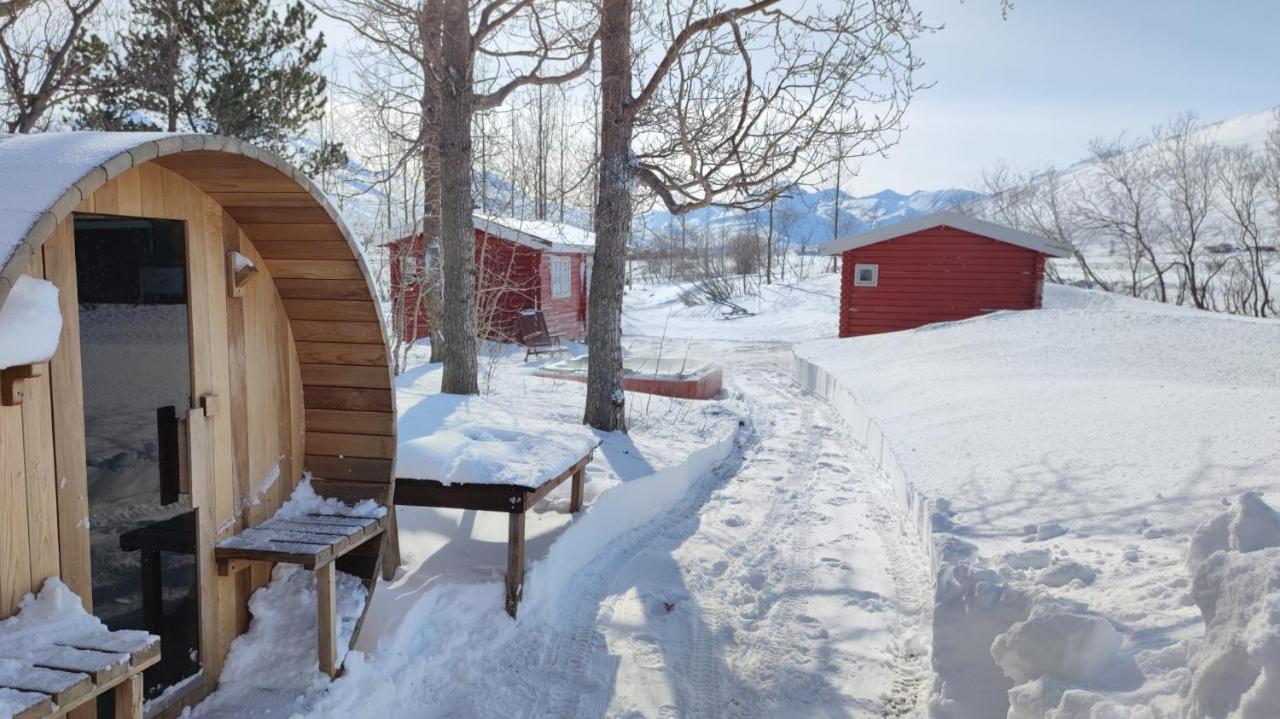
<point>457,233</point>
<point>606,403</point>
<point>431,233</point>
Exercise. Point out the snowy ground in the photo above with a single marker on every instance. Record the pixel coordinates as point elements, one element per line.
<point>1078,448</point>
<point>748,556</point>
<point>737,557</point>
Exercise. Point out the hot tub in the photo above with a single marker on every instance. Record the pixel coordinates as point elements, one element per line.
<point>684,378</point>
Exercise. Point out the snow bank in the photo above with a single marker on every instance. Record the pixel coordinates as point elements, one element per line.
<point>613,515</point>
<point>1235,560</point>
<point>30,323</point>
<point>529,456</point>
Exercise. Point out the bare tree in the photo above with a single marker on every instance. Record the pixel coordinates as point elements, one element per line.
<point>46,52</point>
<point>1040,202</point>
<point>1243,179</point>
<point>1120,202</point>
<point>1187,166</point>
<point>733,98</point>
<point>440,44</point>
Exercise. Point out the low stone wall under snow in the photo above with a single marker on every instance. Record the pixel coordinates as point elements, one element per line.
<point>815,379</point>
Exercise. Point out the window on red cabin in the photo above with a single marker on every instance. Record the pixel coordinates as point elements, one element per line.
<point>560,282</point>
<point>866,275</point>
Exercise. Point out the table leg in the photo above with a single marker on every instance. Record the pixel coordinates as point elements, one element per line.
<point>575,501</point>
<point>128,698</point>
<point>515,561</point>
<point>327,619</point>
<point>391,550</point>
<point>152,594</point>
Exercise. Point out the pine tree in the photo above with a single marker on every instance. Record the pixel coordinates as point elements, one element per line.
<point>228,67</point>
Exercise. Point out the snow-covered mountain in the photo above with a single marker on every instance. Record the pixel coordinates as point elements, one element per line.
<point>808,216</point>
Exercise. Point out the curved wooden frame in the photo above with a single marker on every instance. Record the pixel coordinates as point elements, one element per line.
<point>348,396</point>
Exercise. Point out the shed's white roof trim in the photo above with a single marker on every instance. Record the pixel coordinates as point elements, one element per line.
<point>948,219</point>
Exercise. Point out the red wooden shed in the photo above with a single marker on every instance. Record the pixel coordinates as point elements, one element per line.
<point>520,265</point>
<point>937,268</point>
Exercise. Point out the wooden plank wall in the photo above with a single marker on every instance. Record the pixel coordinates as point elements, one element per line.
<point>242,353</point>
<point>31,494</point>
<point>564,314</point>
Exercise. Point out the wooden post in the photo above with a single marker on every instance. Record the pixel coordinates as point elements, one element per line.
<point>515,561</point>
<point>575,500</point>
<point>391,547</point>
<point>327,637</point>
<point>128,697</point>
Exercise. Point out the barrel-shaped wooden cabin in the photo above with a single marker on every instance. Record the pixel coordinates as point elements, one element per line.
<point>220,338</point>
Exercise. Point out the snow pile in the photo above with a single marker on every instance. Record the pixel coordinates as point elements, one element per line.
<point>304,501</point>
<point>54,614</point>
<point>1057,644</point>
<point>1075,448</point>
<point>1235,559</point>
<point>30,323</point>
<point>275,663</point>
<point>475,453</point>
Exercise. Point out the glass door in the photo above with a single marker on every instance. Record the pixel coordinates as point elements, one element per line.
<point>136,359</point>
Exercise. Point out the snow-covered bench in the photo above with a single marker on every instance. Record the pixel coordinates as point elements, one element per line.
<point>54,657</point>
<point>493,469</point>
<point>314,540</point>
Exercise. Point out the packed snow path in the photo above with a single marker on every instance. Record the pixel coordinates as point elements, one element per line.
<point>787,591</point>
<point>778,584</point>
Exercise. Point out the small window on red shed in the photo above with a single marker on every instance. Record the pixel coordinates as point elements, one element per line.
<point>560,282</point>
<point>866,275</point>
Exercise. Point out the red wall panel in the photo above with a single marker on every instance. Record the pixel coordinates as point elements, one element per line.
<point>509,278</point>
<point>936,275</point>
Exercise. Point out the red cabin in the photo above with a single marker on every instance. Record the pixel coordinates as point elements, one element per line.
<point>520,265</point>
<point>938,268</point>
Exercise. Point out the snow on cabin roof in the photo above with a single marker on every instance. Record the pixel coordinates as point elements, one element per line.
<point>949,219</point>
<point>550,235</point>
<point>36,170</point>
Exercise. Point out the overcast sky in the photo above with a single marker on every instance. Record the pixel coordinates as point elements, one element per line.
<point>1034,88</point>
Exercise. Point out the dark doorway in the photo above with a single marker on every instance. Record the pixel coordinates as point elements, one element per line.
<point>136,360</point>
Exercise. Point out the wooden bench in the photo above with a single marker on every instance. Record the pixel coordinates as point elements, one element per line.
<point>514,499</point>
<point>315,542</point>
<point>52,680</point>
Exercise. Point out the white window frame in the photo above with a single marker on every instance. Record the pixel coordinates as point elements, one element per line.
<point>875,276</point>
<point>561,279</point>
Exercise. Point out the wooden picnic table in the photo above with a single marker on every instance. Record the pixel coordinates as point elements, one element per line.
<point>53,679</point>
<point>312,541</point>
<point>514,499</point>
